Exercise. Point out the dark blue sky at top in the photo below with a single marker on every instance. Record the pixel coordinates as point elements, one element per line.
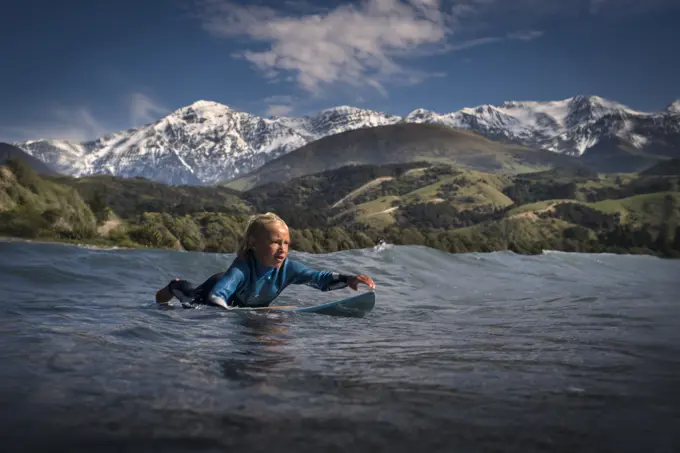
<point>80,68</point>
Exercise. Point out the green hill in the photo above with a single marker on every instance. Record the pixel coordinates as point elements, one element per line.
<point>649,209</point>
<point>403,143</point>
<point>8,152</point>
<point>652,209</point>
<point>379,195</point>
<point>452,208</point>
<point>314,200</point>
<point>31,206</point>
<point>129,196</point>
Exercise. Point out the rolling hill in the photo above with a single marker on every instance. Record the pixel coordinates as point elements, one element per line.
<point>438,205</point>
<point>400,143</point>
<point>8,151</point>
<point>128,196</point>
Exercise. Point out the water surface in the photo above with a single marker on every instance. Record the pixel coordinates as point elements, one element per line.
<point>463,353</point>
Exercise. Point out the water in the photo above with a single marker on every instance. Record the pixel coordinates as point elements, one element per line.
<point>463,353</point>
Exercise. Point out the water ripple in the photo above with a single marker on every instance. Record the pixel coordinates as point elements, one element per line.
<point>478,352</point>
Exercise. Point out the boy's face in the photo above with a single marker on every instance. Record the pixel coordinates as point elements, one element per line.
<point>271,244</point>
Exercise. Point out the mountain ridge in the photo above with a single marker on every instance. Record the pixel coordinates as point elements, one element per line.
<point>8,152</point>
<point>207,142</point>
<point>399,144</point>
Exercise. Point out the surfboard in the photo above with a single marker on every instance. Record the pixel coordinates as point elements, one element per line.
<point>353,307</point>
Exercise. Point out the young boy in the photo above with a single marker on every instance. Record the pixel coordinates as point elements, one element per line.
<point>259,273</point>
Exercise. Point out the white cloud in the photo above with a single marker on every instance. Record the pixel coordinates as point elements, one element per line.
<point>144,110</point>
<point>522,35</point>
<point>75,124</point>
<point>372,43</point>
<point>278,110</point>
<point>358,45</point>
<point>462,45</point>
<point>279,105</point>
<point>79,123</point>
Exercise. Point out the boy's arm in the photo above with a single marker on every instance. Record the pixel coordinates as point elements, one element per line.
<point>226,286</point>
<point>323,280</point>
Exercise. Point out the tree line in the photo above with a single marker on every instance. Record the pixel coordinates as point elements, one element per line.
<point>32,206</point>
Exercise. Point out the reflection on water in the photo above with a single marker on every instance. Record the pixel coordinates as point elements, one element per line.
<point>257,350</point>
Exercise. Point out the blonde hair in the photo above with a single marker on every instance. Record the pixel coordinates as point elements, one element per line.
<point>256,223</point>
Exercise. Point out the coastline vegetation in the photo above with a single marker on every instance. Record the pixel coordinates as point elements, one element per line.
<point>418,203</point>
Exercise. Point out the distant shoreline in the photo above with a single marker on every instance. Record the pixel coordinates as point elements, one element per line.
<point>98,246</point>
<point>439,206</point>
<point>82,244</point>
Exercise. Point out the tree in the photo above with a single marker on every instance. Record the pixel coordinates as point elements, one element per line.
<point>98,205</point>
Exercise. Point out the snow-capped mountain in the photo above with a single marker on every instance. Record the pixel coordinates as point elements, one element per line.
<point>202,143</point>
<point>674,108</point>
<point>207,142</point>
<point>570,126</point>
<point>339,119</point>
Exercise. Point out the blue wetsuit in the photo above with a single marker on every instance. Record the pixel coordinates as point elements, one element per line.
<point>249,284</point>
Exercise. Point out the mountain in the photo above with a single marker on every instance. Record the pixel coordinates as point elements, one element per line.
<point>207,142</point>
<point>671,167</point>
<point>570,126</point>
<point>674,108</point>
<point>202,143</point>
<point>401,143</point>
<point>8,151</point>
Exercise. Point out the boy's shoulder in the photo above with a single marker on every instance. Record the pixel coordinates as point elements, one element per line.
<point>240,264</point>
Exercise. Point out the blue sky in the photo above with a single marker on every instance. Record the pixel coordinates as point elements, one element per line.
<point>81,68</point>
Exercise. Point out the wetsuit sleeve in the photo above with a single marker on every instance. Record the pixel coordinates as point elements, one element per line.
<point>226,286</point>
<point>300,274</point>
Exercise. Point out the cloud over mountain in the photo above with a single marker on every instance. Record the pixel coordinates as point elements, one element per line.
<point>361,44</point>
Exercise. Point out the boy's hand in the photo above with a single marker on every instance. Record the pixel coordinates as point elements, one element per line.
<point>353,282</point>
<point>218,301</point>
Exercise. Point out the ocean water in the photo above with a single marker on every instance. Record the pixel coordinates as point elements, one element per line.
<point>462,353</point>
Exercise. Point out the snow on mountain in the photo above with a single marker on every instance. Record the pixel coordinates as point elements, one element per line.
<point>61,155</point>
<point>202,143</point>
<point>207,142</point>
<point>560,126</point>
<point>344,118</point>
<point>674,108</point>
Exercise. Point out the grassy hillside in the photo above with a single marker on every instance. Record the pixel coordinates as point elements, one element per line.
<point>378,196</point>
<point>317,200</point>
<point>651,209</point>
<point>33,207</point>
<point>459,209</point>
<point>451,208</point>
<point>403,143</point>
<point>130,196</point>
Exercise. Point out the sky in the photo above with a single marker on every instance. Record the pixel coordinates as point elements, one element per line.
<point>79,69</point>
